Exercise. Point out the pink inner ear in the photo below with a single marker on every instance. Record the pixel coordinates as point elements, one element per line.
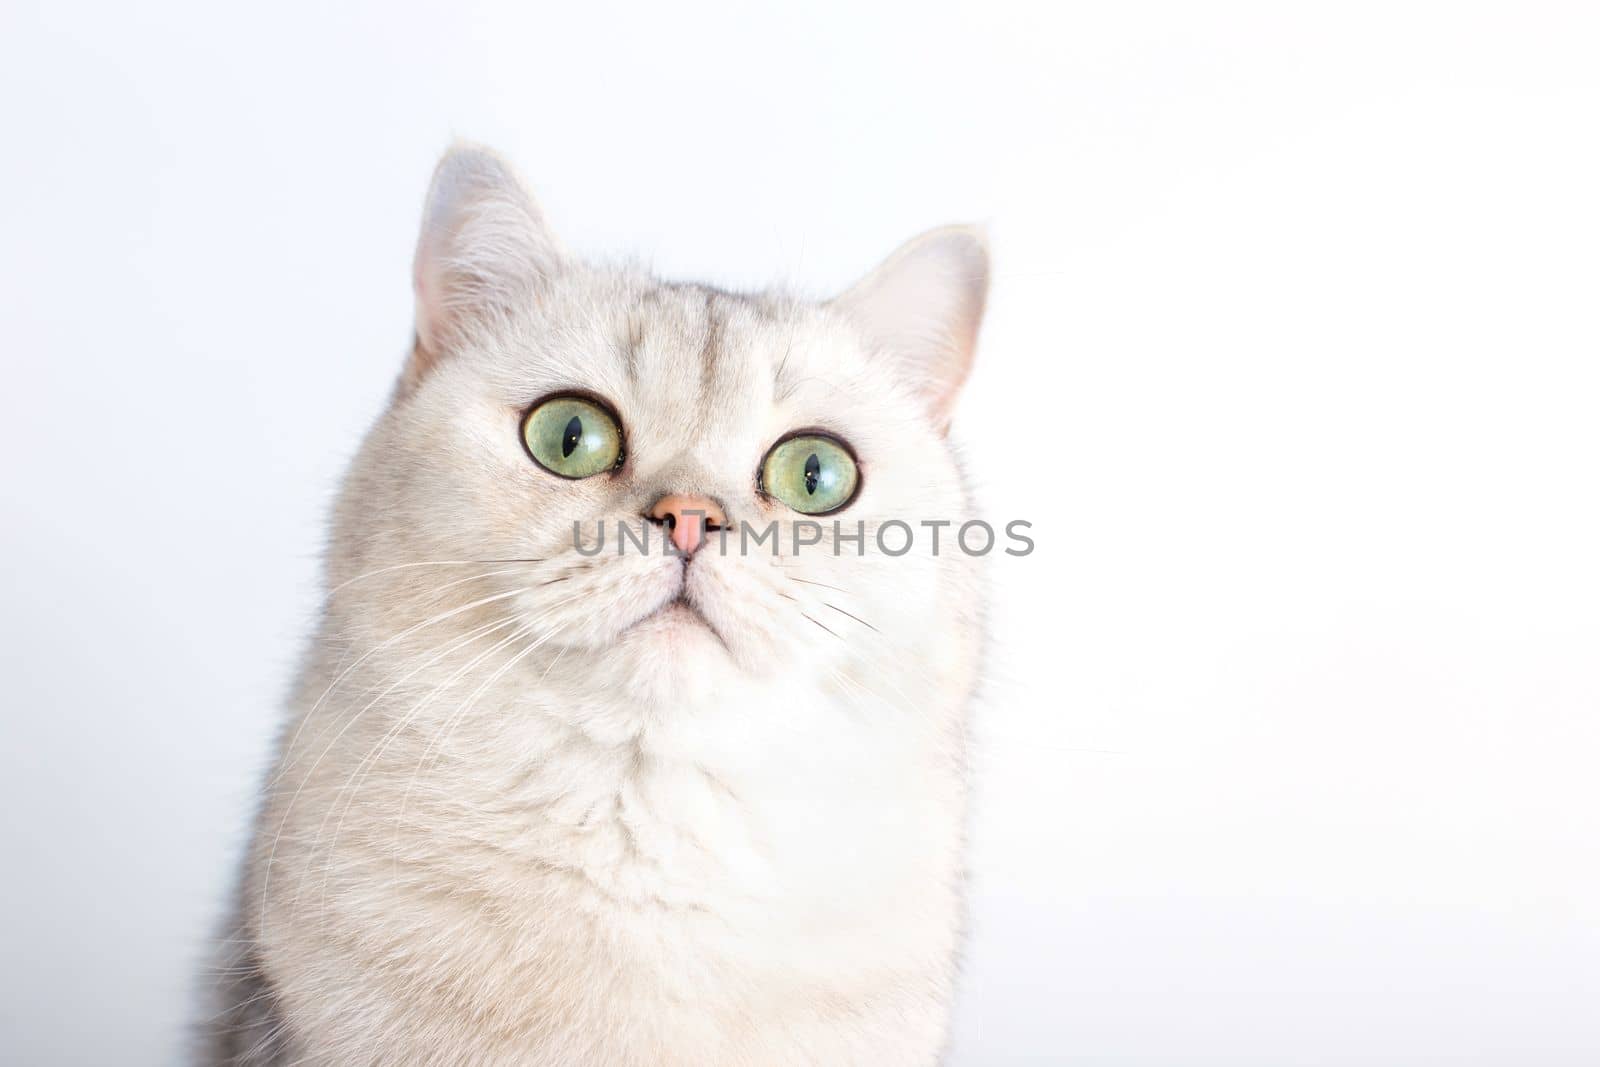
<point>483,244</point>
<point>425,343</point>
<point>422,292</point>
<point>923,306</point>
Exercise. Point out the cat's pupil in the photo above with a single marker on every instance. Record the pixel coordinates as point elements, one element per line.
<point>569,439</point>
<point>813,472</point>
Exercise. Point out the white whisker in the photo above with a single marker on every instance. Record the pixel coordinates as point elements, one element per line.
<point>266,874</point>
<point>289,749</point>
<point>370,760</point>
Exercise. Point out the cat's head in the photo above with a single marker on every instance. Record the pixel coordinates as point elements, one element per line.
<point>544,396</point>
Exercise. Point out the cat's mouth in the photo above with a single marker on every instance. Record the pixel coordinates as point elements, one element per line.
<point>681,607</point>
<point>677,611</point>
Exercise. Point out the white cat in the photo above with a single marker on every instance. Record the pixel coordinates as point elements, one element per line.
<point>539,804</point>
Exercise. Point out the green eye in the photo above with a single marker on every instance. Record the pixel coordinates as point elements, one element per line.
<point>572,437</point>
<point>811,473</point>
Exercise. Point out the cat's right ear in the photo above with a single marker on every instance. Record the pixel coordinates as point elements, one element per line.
<point>484,250</point>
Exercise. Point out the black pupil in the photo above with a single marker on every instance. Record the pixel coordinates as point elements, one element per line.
<point>813,472</point>
<point>569,439</point>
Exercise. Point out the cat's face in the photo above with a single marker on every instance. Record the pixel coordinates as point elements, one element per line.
<point>681,392</point>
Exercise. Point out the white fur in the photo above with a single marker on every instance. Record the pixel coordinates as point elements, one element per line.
<point>512,823</point>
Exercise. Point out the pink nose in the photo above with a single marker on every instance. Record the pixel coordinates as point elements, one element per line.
<point>687,517</point>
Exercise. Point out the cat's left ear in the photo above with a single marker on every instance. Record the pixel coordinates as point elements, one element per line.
<point>921,308</point>
<point>483,251</point>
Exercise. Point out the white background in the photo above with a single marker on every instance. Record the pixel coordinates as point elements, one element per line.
<point>1289,754</point>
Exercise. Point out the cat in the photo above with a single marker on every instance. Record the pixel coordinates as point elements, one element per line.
<point>693,805</point>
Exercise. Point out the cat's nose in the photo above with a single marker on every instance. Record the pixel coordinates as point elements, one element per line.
<point>687,517</point>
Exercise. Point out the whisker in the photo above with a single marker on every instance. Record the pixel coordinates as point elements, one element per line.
<point>820,624</point>
<point>352,784</point>
<point>450,647</point>
<point>537,642</point>
<point>852,615</point>
<point>407,632</point>
<point>824,603</point>
<point>437,745</point>
<point>266,874</point>
<point>824,585</point>
<point>421,563</point>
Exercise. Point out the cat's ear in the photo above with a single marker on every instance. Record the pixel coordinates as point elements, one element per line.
<point>921,308</point>
<point>484,249</point>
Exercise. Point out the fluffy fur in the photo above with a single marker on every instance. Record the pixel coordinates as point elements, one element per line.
<point>526,811</point>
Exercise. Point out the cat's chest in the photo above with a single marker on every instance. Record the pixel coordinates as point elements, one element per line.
<point>786,811</point>
<point>791,854</point>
